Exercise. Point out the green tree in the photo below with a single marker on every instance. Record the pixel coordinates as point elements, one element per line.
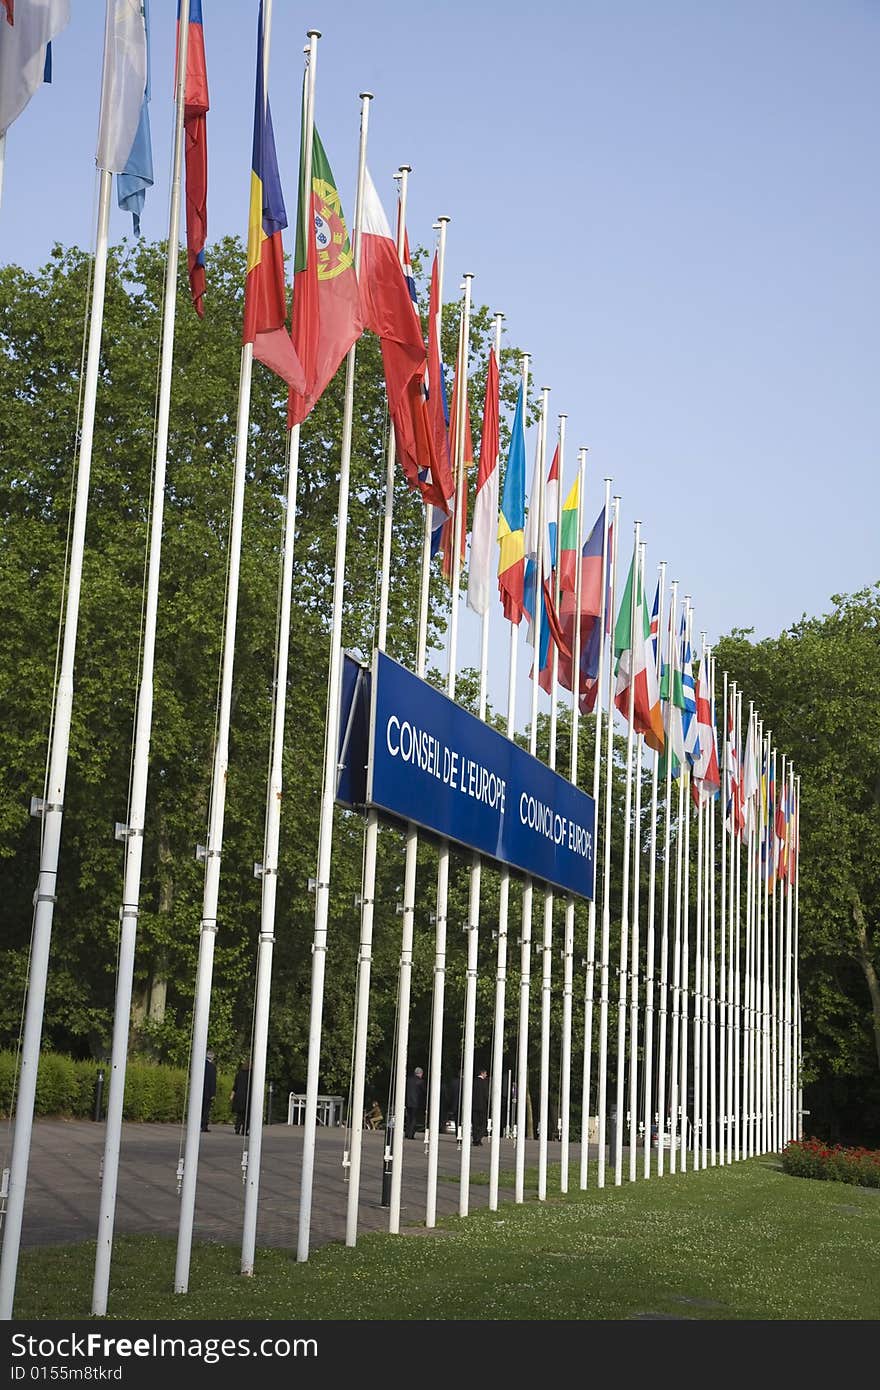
<point>41,341</point>
<point>816,687</point>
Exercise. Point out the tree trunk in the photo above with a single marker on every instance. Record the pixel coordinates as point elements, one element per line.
<point>869,970</point>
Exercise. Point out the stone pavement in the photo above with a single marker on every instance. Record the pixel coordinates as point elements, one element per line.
<point>64,1182</point>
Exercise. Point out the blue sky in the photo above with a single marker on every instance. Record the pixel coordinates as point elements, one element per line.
<point>675,205</point>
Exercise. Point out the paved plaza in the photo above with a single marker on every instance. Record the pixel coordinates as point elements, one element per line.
<point>64,1182</point>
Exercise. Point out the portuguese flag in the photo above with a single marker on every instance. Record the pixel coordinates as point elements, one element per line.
<point>326,301</point>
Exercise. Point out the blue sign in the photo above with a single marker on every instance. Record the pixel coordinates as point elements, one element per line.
<point>433,763</point>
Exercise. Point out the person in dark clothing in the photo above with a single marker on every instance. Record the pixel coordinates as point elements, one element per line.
<point>414,1102</point>
<point>480,1107</point>
<point>239,1098</point>
<point>209,1089</point>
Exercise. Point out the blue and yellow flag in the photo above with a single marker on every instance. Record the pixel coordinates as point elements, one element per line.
<point>265,294</point>
<point>512,519</point>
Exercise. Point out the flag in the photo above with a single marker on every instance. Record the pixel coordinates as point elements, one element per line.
<point>672,702</point>
<point>195,141</point>
<point>634,664</point>
<point>549,622</point>
<point>655,626</point>
<point>568,540</point>
<point>749,777</point>
<point>591,649</point>
<point>124,145</point>
<point>512,519</point>
<point>485,525</point>
<point>25,35</point>
<point>438,412</point>
<point>265,297</point>
<point>734,814</point>
<point>327,316</point>
<point>390,313</point>
<point>707,780</point>
<point>447,535</point>
<point>689,724</point>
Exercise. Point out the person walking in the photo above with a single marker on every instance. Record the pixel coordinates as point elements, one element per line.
<point>239,1098</point>
<point>480,1107</point>
<point>414,1102</point>
<point>209,1089</point>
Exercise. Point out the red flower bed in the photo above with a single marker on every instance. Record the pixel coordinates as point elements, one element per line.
<point>812,1158</point>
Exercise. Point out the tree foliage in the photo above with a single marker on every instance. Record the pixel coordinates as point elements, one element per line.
<point>816,687</point>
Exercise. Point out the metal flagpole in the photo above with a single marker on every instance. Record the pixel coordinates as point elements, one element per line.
<point>602,1099</point>
<point>677,983</point>
<point>627,839</point>
<point>371,833</point>
<point>436,1059</point>
<point>133,831</point>
<point>634,937</point>
<point>51,806</point>
<point>712,1035</point>
<point>503,915</point>
<point>667,878</point>
<point>522,1072</point>
<point>775,957</point>
<point>328,793</point>
<point>699,978</point>
<point>568,946</point>
<point>792,913</point>
<point>268,869</point>
<point>589,978</point>
<point>736,933</point>
<point>790,1128</point>
<point>685,936</point>
<point>754,847</point>
<point>652,889</point>
<point>723,1154</point>
<point>470,1009</point>
<point>404,987</point>
<point>547,945</point>
<point>212,851</point>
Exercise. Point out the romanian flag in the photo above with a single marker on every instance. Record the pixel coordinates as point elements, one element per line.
<point>512,519</point>
<point>195,144</point>
<point>327,315</point>
<point>265,299</point>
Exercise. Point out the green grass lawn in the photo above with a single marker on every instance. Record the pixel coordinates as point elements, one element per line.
<point>739,1242</point>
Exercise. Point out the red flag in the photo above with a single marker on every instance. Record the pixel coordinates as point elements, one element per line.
<point>327,315</point>
<point>9,6</point>
<point>195,140</point>
<point>437,422</point>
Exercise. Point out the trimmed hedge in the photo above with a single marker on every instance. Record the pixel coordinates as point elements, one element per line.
<point>153,1093</point>
<point>811,1158</point>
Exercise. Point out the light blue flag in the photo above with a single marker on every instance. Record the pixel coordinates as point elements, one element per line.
<point>137,176</point>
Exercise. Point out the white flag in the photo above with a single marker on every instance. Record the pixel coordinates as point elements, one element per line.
<point>23,52</point>
<point>124,83</point>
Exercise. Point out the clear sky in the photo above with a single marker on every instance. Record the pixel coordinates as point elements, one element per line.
<point>676,206</point>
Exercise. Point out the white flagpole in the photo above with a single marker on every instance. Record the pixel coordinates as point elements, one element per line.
<point>213,850</point>
<point>328,793</point>
<point>775,1053</point>
<point>371,832</point>
<point>736,930</point>
<point>667,879</point>
<point>732,941</point>
<point>634,935</point>
<point>470,1006</point>
<point>568,947</point>
<point>624,899</point>
<point>133,831</point>
<point>652,890</point>
<point>522,1073</point>
<point>723,1154</point>
<point>547,945</point>
<point>699,976</point>
<point>394,1142</point>
<point>712,1034</point>
<point>602,1100</point>
<point>52,806</point>
<point>679,983</point>
<point>748,964</point>
<point>2,164</point>
<point>797,1036</point>
<point>503,916</point>
<point>268,870</point>
<point>791,1125</point>
<point>436,1059</point>
<point>590,976</point>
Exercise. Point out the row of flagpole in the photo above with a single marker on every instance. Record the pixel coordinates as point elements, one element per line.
<point>768,1064</point>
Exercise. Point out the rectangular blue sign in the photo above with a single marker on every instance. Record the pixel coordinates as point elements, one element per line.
<point>433,763</point>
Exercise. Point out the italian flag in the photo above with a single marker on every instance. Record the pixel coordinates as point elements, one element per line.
<point>635,663</point>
